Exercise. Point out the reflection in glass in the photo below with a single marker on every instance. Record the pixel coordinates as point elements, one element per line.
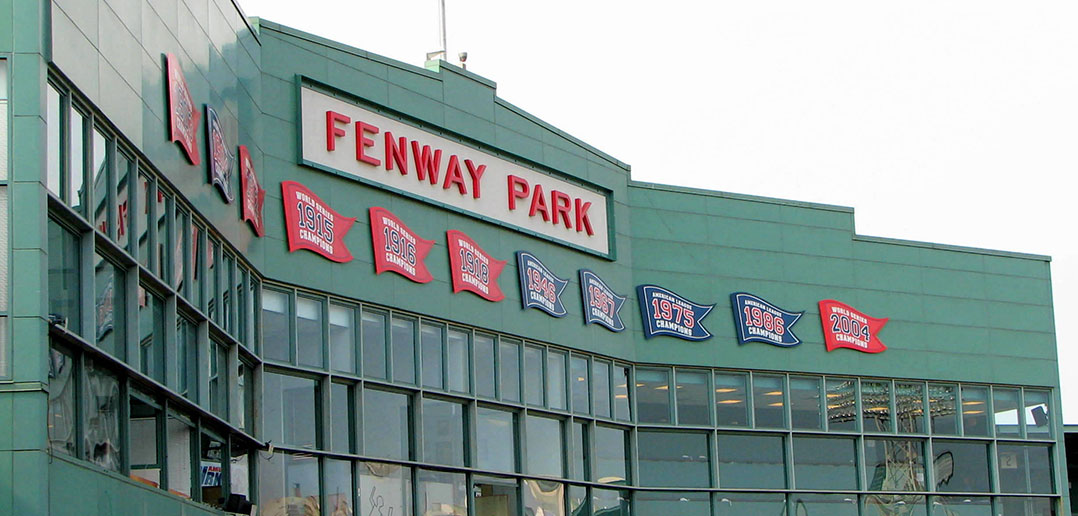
<point>290,410</point>
<point>1023,506</point>
<point>555,379</point>
<point>509,369</point>
<point>64,278</point>
<point>578,501</point>
<point>339,487</point>
<point>805,403</point>
<point>186,358</point>
<point>533,375</point>
<point>109,297</point>
<point>211,457</point>
<point>825,463</point>
<point>484,365</point>
<point>457,363</point>
<point>496,436</point>
<point>275,325</point>
<point>1005,406</point>
<point>895,464</point>
<point>750,504</point>
<point>960,466</point>
<point>751,461</point>
<point>384,487</point>
<point>374,344</point>
<point>876,406</point>
<point>340,398</point>
<point>52,160</point>
<point>673,459</point>
<point>123,226</point>
<point>100,174</point>
<point>544,445</point>
<point>665,503</point>
<point>218,379</point>
<point>600,391</point>
<point>151,335</point>
<point>822,504</point>
<point>961,506</point>
<point>910,407</point>
<point>607,502</point>
<point>386,424</point>
<point>577,455</point>
<point>544,497</point>
<point>179,231</point>
<point>76,140</point>
<point>892,505</point>
<point>652,395</point>
<point>842,404</point>
<point>101,420</point>
<point>309,331</point>
<point>693,407</point>
<point>430,340</point>
<point>621,393</point>
<point>145,222</point>
<point>403,339</point>
<point>61,418</point>
<point>611,465</point>
<point>767,395</point>
<point>942,399</point>
<point>975,410</point>
<point>1024,469</point>
<point>301,485</point>
<point>1037,421</point>
<point>342,338</point>
<point>578,383</point>
<point>441,494</point>
<point>495,496</point>
<point>731,406</point>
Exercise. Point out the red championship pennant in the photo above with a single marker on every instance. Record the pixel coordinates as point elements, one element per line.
<point>845,327</point>
<point>397,248</point>
<point>183,117</point>
<point>313,225</point>
<point>254,196</point>
<point>472,268</point>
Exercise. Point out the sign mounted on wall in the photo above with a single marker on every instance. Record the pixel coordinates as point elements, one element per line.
<point>182,114</point>
<point>221,159</point>
<point>472,268</point>
<point>666,313</point>
<point>313,225</point>
<point>539,287</point>
<point>356,142</point>
<point>601,304</point>
<point>397,248</point>
<point>760,321</point>
<point>845,327</point>
<point>254,196</point>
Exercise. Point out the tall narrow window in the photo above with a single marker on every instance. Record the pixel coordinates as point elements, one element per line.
<point>611,462</point>
<point>309,331</point>
<point>1038,422</point>
<point>1005,406</point>
<point>338,487</point>
<point>340,415</point>
<point>76,145</point>
<point>653,395</point>
<point>218,379</point>
<point>621,393</point>
<point>544,445</point>
<point>275,325</point>
<point>195,263</point>
<point>179,435</point>
<point>342,338</point>
<point>211,291</point>
<point>65,279</point>
<point>768,404</point>
<point>876,406</point>
<point>805,403</point>
<point>109,300</point>
<point>600,387</point>
<point>62,387</point>
<point>693,407</point>
<point>496,433</point>
<point>151,335</point>
<point>101,419</point>
<point>290,410</point>
<point>99,169</point>
<point>164,236</point>
<point>55,154</point>
<point>509,369</point>
<point>578,379</point>
<point>179,232</point>
<point>485,379</point>
<point>387,424</point>
<point>909,407</point>
<point>731,399</point>
<point>186,358</point>
<point>145,219</point>
<point>975,410</point>
<point>942,399</point>
<point>457,361</point>
<point>842,404</point>
<point>404,350</point>
<point>431,336</point>
<point>443,432</point>
<point>533,375</point>
<point>145,425</point>
<point>387,485</point>
<point>124,168</point>
<point>555,379</point>
<point>374,344</point>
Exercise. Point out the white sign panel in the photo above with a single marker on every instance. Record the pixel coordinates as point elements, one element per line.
<point>355,141</point>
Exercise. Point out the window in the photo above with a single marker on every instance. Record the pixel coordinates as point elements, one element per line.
<point>579,385</point>
<point>146,235</point>
<point>61,415</point>
<point>825,463</point>
<point>544,497</point>
<point>290,410</point>
<point>1038,424</point>
<point>496,435</point>
<point>342,338</point>
<point>495,496</point>
<point>146,420</point>
<point>125,166</point>
<point>457,363</point>
<point>963,505</point>
<point>211,469</point>
<point>739,504</point>
<point>1024,468</point>
<point>195,258</point>
<point>431,337</point>
<point>484,365</point>
<point>164,238</point>
<point>1005,406</point>
<point>151,335</point>
<point>509,369</point>
<point>555,379</point>
<point>218,379</point>
<point>608,502</point>
<point>961,466</point>
<point>387,424</point>
<point>621,393</point>
<point>876,406</point>
<point>831,505</point>
<point>65,278</point>
<point>179,231</point>
<point>653,395</point>
<point>767,396</point>
<point>805,403</point>
<point>895,464</point>
<point>652,503</point>
<point>246,386</point>
<point>179,445</point>
<point>387,485</point>
<point>975,410</point>
<point>600,387</point>
<point>75,190</point>
<point>942,399</point>
<point>731,405</point>
<point>693,406</point>
<point>374,344</point>
<point>55,135</point>
<point>186,358</point>
<point>909,407</point>
<point>275,326</point>
<point>404,350</point>
<point>751,461</point>
<point>444,494</point>
<point>443,432</point>
<point>99,167</point>
<point>338,486</point>
<point>579,454</point>
<point>842,404</point>
<point>673,459</point>
<point>611,464</point>
<point>340,427</point>
<point>533,375</point>
<point>110,311</point>
<point>301,482</point>
<point>544,446</point>
<point>309,331</point>
<point>211,291</point>
<point>887,504</point>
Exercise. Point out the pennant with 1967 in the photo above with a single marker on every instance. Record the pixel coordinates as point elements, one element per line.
<point>760,321</point>
<point>601,304</point>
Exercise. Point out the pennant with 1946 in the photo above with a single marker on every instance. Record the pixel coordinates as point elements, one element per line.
<point>666,313</point>
<point>539,287</point>
<point>760,321</point>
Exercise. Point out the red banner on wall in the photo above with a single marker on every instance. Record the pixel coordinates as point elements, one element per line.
<point>472,268</point>
<point>313,225</point>
<point>183,117</point>
<point>397,248</point>
<point>846,327</point>
<point>254,196</point>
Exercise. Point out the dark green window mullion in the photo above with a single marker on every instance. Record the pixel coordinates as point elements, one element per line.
<point>293,348</point>
<point>787,402</point>
<point>671,395</point>
<point>750,398</point>
<point>861,461</point>
<point>162,443</point>
<point>324,413</point>
<point>630,390</point>
<point>634,458</point>
<point>471,432</point>
<point>993,466</point>
<point>713,452</point>
<point>88,317</point>
<point>110,191</point>
<point>185,250</point>
<point>788,459</point>
<point>233,394</point>
<point>445,363</point>
<point>1020,415</point>
<point>990,408</point>
<point>712,416</point>
<point>415,430</point>
<point>960,409</point>
<point>497,350</point>
<point>522,441</point>
<point>150,219</point>
<point>857,406</point>
<point>168,261</point>
<point>892,407</point>
<point>543,378</point>
<point>930,471</point>
<point>196,461</point>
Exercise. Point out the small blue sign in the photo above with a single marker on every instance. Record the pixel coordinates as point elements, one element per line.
<point>666,313</point>
<point>601,304</point>
<point>540,288</point>
<point>760,321</point>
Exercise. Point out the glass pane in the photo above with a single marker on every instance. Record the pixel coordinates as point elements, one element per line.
<point>909,407</point>
<point>374,344</point>
<point>124,166</point>
<point>309,331</point>
<point>544,445</point>
<point>218,379</point>
<point>767,400</point>
<point>555,380</point>
<point>942,408</point>
<point>544,497</point>
<point>876,406</point>
<point>890,505</point>
<point>611,463</point>
<point>1005,406</point>
<point>431,353</point>
<point>533,375</point>
<point>151,335</point>
<point>606,502</point>
<point>145,223</point>
<point>457,363</point>
<point>340,415</point>
<point>831,505</point>
<point>61,419</point>
<point>750,504</point>
<point>895,464</point>
<point>195,261</point>
<point>805,403</point>
<point>443,432</point>
<point>621,393</point>
<point>342,338</point>
<point>975,410</point>
<point>275,325</point>
<point>1037,421</point>
<point>496,435</point>
<point>339,487</point>
<point>186,358</point>
<point>495,496</point>
<point>961,506</point>
<point>653,395</point>
<point>579,385</point>
<point>578,501</point>
<point>179,456</point>
<point>271,488</point>
<point>290,410</point>
<point>960,466</point>
<point>731,406</point>
<point>109,297</point>
<point>751,461</point>
<point>52,114</point>
<point>384,489</point>
<point>245,386</point>
<point>509,369</point>
<point>178,233</point>
<point>403,350</point>
<point>693,407</point>
<point>64,278</point>
<point>76,156</point>
<point>164,240</point>
<point>1024,469</point>
<point>673,459</point>
<point>442,494</point>
<point>660,503</point>
<point>101,182</point>
<point>825,463</point>
<point>600,383</point>
<point>301,480</point>
<point>579,453</point>
<point>145,462</point>
<point>386,424</point>
<point>484,365</point>
<point>211,474</point>
<point>842,404</point>
<point>1022,506</point>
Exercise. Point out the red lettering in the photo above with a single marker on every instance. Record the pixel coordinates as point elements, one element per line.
<point>561,205</point>
<point>121,220</point>
<point>582,220</point>
<point>332,131</point>
<point>476,173</point>
<point>518,189</point>
<point>362,142</point>
<point>426,164</point>
<point>395,153</point>
<point>539,204</point>
<point>453,176</point>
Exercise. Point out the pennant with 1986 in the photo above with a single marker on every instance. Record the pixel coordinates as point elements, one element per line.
<point>666,313</point>
<point>539,287</point>
<point>601,304</point>
<point>760,321</point>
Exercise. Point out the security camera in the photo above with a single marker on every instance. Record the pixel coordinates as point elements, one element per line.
<point>463,56</point>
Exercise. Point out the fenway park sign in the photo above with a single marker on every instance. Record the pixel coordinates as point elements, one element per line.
<point>343,137</point>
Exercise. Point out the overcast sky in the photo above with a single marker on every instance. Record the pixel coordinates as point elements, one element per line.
<point>952,122</point>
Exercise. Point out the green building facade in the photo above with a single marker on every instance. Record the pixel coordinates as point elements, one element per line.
<point>172,344</point>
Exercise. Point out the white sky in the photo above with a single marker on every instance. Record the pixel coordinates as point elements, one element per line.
<point>953,122</point>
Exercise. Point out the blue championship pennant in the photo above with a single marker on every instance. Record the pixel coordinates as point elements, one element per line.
<point>601,304</point>
<point>540,288</point>
<point>666,313</point>
<point>221,159</point>
<point>760,321</point>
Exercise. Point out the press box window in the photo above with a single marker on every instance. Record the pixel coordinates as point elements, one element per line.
<point>309,331</point>
<point>731,399</point>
